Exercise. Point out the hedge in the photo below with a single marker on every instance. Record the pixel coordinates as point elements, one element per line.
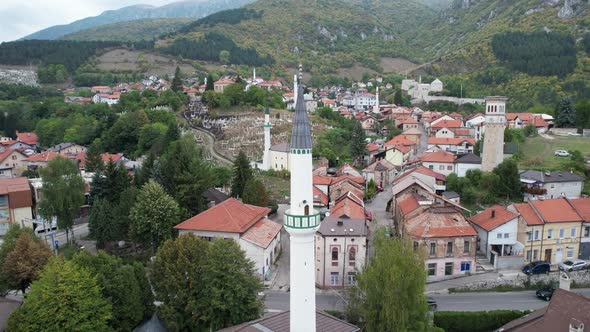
<point>478,321</point>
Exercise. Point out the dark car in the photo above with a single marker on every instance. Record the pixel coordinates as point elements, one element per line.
<point>536,268</point>
<point>380,188</point>
<point>431,303</point>
<point>545,293</point>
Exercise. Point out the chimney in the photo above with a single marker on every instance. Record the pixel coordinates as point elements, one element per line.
<point>493,213</point>
<point>576,325</point>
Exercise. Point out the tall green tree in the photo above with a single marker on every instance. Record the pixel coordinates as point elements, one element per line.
<point>93,162</point>
<point>100,223</point>
<point>398,97</point>
<point>24,264</point>
<point>358,143</point>
<point>176,84</point>
<point>204,286</point>
<point>399,269</point>
<point>231,286</point>
<point>508,185</point>
<point>153,216</point>
<point>122,285</point>
<point>255,193</point>
<point>63,193</point>
<point>110,183</point>
<point>242,173</point>
<point>67,298</point>
<point>566,114</point>
<point>210,83</point>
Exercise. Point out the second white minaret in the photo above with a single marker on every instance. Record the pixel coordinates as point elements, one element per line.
<point>376,107</point>
<point>302,222</point>
<point>267,127</point>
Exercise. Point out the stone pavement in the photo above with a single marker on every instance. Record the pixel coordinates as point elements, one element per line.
<point>279,279</point>
<point>443,286</point>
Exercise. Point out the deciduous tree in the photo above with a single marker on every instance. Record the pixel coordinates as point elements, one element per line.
<point>63,193</point>
<point>24,264</point>
<point>8,243</point>
<point>508,184</point>
<point>255,193</point>
<point>153,216</point>
<point>66,297</point>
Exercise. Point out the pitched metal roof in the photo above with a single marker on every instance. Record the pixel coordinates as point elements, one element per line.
<point>348,226</point>
<point>468,158</point>
<point>550,177</point>
<point>280,323</point>
<point>301,134</point>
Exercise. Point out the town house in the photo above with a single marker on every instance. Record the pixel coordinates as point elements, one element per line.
<point>341,251</point>
<point>439,161</point>
<point>582,206</point>
<point>551,184</point>
<point>16,203</point>
<point>13,162</point>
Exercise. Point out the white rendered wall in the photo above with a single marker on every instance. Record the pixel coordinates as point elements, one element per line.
<point>302,276</point>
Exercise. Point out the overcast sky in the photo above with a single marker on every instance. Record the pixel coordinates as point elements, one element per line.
<point>19,18</point>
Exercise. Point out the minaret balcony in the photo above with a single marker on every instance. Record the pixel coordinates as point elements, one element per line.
<point>302,222</point>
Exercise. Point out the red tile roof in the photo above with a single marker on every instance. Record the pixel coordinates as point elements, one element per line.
<point>45,156</point>
<point>349,207</point>
<point>372,147</point>
<point>429,172</point>
<point>408,204</point>
<point>320,197</point>
<point>400,140</point>
<point>556,210</point>
<point>408,120</point>
<point>462,132</point>
<point>29,138</point>
<point>439,156</point>
<point>8,152</point>
<point>262,233</point>
<point>455,115</point>
<point>540,122</point>
<point>231,216</point>
<point>582,206</point>
<point>493,217</point>
<point>10,185</point>
<point>439,222</point>
<point>528,214</point>
<point>447,124</point>
<point>450,141</point>
<point>322,180</point>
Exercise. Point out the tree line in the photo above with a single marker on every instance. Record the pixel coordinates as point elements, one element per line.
<point>230,16</point>
<point>536,53</point>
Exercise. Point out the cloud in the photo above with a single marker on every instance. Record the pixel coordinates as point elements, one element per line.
<point>20,18</point>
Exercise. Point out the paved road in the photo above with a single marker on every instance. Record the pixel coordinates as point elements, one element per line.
<point>446,302</point>
<point>381,218</point>
<point>80,231</point>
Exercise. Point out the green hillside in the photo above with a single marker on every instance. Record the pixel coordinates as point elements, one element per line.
<point>146,29</point>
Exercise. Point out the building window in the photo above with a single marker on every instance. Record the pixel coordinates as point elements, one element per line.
<point>352,278</point>
<point>530,234</point>
<point>351,256</point>
<point>441,167</point>
<point>506,235</point>
<point>432,249</point>
<point>334,279</point>
<point>431,167</point>
<point>536,234</point>
<point>448,269</point>
<point>465,266</point>
<point>550,234</point>
<point>587,231</point>
<point>573,232</point>
<point>499,235</point>
<point>466,247</point>
<point>528,255</point>
<point>335,256</point>
<point>570,252</point>
<point>4,200</point>
<point>561,233</point>
<point>535,254</point>
<point>449,248</point>
<point>415,245</point>
<point>449,168</point>
<point>431,269</point>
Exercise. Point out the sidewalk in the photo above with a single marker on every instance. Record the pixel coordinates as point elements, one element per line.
<point>443,286</point>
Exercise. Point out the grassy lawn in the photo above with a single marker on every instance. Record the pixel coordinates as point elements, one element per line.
<point>277,187</point>
<point>539,152</point>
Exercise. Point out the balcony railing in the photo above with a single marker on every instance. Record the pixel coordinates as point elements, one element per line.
<point>535,191</point>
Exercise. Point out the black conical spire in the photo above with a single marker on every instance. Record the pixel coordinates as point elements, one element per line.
<point>301,135</point>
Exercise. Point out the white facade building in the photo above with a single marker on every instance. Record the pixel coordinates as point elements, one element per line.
<point>547,185</point>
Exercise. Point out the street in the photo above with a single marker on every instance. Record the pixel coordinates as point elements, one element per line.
<point>80,231</point>
<point>525,300</point>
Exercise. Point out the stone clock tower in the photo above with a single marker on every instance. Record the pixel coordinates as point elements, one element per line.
<point>493,144</point>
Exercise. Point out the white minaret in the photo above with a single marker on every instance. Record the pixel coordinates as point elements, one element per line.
<point>254,75</point>
<point>493,143</point>
<point>267,127</point>
<point>376,107</point>
<point>302,222</point>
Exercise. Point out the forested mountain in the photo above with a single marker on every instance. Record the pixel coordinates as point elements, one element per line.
<point>145,29</point>
<point>189,8</point>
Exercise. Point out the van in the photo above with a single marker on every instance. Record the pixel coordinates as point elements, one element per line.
<point>536,268</point>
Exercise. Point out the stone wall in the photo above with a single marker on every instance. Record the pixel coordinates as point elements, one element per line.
<point>563,131</point>
<point>509,262</point>
<point>579,277</point>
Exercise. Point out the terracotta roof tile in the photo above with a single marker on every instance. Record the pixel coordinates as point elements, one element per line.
<point>439,156</point>
<point>439,222</point>
<point>400,140</point>
<point>582,206</point>
<point>528,214</point>
<point>320,197</point>
<point>348,206</point>
<point>322,180</point>
<point>447,124</point>
<point>556,210</point>
<point>231,216</point>
<point>29,138</point>
<point>408,204</point>
<point>262,233</point>
<point>8,152</point>
<point>45,156</point>
<point>372,147</point>
<point>493,217</point>
<point>450,141</point>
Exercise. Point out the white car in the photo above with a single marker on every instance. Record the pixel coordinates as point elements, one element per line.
<point>572,265</point>
<point>562,153</point>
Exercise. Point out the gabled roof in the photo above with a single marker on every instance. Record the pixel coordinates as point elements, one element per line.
<point>455,115</point>
<point>45,156</point>
<point>61,146</point>
<point>448,124</point>
<point>400,140</point>
<point>412,131</point>
<point>214,195</point>
<point>380,165</point>
<point>550,177</point>
<point>555,210</point>
<point>320,197</point>
<point>262,233</point>
<point>439,156</point>
<point>280,323</point>
<point>348,227</point>
<point>408,203</point>
<point>322,180</point>
<point>528,214</point>
<point>281,147</point>
<point>468,158</point>
<point>493,217</point>
<point>29,138</point>
<point>439,222</point>
<point>348,206</point>
<point>450,141</point>
<point>8,152</point>
<point>372,147</point>
<point>231,216</point>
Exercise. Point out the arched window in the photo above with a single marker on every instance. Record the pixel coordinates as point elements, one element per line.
<point>307,210</point>
<point>352,254</point>
<point>335,254</point>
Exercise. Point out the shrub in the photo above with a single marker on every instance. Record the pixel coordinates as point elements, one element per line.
<point>479,321</point>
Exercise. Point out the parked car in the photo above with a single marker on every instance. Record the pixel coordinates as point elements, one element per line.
<point>380,188</point>
<point>536,268</point>
<point>562,153</point>
<point>545,293</point>
<point>368,216</point>
<point>431,303</point>
<point>572,265</point>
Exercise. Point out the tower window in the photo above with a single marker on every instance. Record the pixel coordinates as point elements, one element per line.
<point>306,210</point>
